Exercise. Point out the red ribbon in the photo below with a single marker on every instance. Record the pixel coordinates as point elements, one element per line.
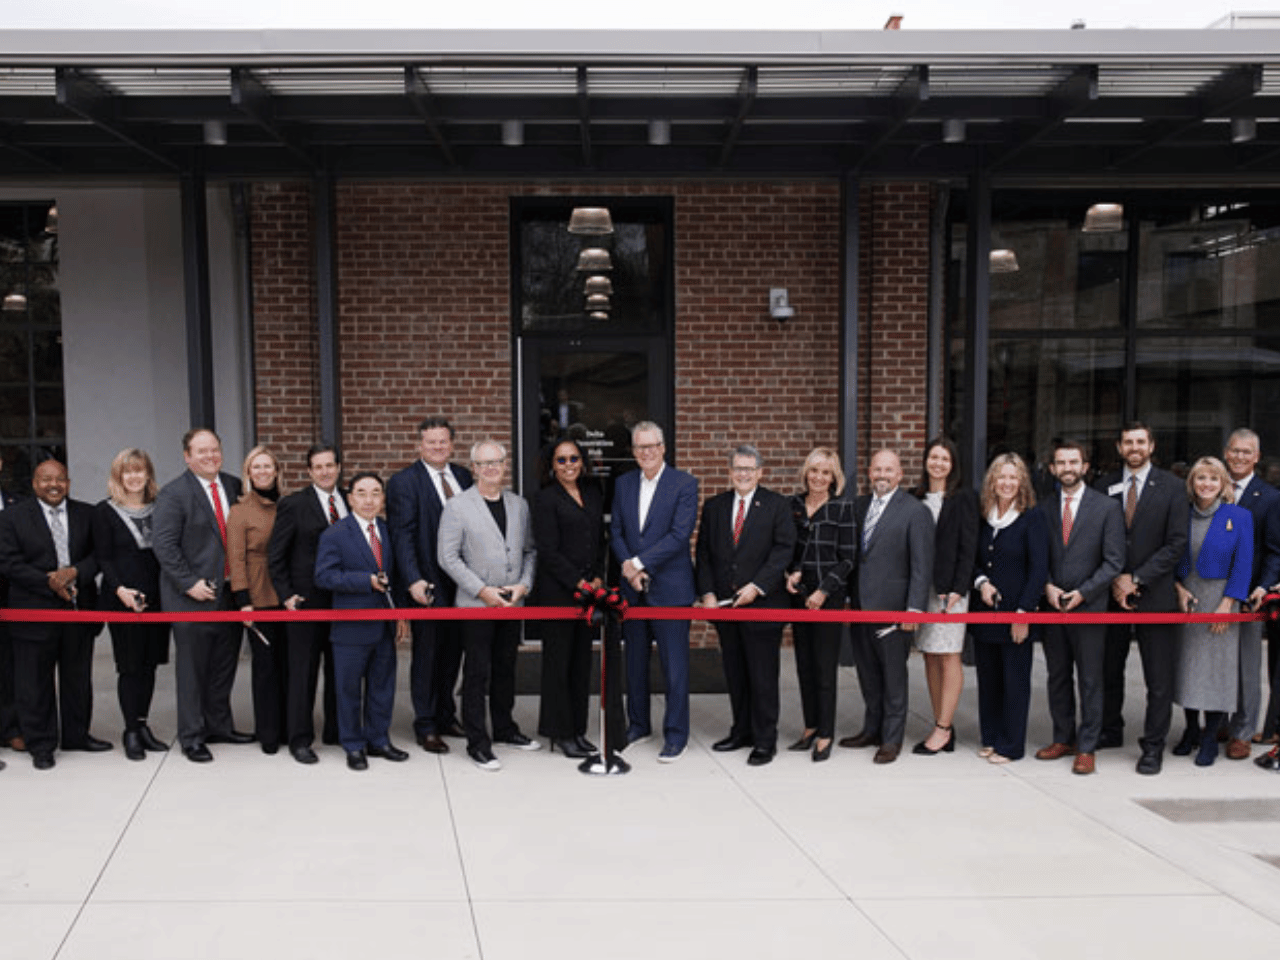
<point>777,615</point>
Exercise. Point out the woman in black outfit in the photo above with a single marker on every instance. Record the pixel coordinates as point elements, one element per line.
<point>131,581</point>
<point>568,529</point>
<point>826,550</point>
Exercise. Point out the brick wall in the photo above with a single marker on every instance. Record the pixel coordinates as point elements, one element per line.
<point>425,317</point>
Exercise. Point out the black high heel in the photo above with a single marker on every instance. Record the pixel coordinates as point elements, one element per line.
<point>805,742</point>
<point>585,744</point>
<point>920,749</point>
<point>822,753</point>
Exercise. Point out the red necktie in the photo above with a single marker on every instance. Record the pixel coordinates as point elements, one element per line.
<point>1066,519</point>
<point>222,527</point>
<point>375,544</point>
<point>333,510</point>
<point>737,521</point>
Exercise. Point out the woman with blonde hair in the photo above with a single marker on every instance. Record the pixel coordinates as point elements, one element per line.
<point>248,529</point>
<point>1212,578</point>
<point>1012,569</point>
<point>131,582</point>
<point>817,579</point>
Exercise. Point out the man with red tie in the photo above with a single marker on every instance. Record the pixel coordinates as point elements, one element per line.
<point>354,563</point>
<point>291,557</point>
<point>189,535</point>
<point>745,541</point>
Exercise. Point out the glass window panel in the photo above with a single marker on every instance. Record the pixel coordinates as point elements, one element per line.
<point>15,412</point>
<point>1195,390</point>
<point>51,413</point>
<point>552,298</point>
<point>1042,389</point>
<point>46,355</point>
<point>1215,268</point>
<point>13,357</point>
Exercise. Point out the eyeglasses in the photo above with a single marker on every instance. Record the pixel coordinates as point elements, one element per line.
<point>482,464</point>
<point>646,447</point>
<point>570,459</point>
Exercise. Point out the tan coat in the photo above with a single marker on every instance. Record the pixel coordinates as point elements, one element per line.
<point>248,530</point>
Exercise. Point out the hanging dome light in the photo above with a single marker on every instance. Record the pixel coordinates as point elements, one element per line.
<point>591,221</point>
<point>594,259</point>
<point>1104,218</point>
<point>599,285</point>
<point>597,301</point>
<point>1004,261</point>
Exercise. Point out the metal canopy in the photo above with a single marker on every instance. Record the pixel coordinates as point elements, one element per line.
<point>1037,105</point>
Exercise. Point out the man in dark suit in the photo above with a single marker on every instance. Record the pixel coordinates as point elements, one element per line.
<point>1155,510</point>
<point>745,541</point>
<point>189,536</point>
<point>415,499</point>
<point>1086,552</point>
<point>1263,501</point>
<point>895,565</point>
<point>10,729</point>
<point>46,554</point>
<point>301,518</point>
<point>654,512</point>
<point>354,565</point>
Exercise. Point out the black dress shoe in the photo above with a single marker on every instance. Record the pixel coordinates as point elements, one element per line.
<point>304,755</point>
<point>43,760</point>
<point>197,753</point>
<point>271,749</point>
<point>234,736</point>
<point>133,746</point>
<point>388,751</point>
<point>1269,760</point>
<point>1110,739</point>
<point>90,744</point>
<point>151,742</point>
<point>453,729</point>
<point>570,749</point>
<point>805,742</point>
<point>433,744</point>
<point>357,761</point>
<point>759,757</point>
<point>1150,762</point>
<point>730,743</point>
<point>822,753</point>
<point>860,740</point>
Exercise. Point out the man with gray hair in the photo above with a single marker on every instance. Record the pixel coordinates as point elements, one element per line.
<point>745,541</point>
<point>653,515</point>
<point>1263,501</point>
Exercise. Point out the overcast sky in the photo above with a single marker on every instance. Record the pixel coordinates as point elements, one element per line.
<point>674,14</point>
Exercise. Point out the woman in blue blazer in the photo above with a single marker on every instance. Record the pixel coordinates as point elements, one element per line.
<point>353,561</point>
<point>1012,568</point>
<point>1212,578</point>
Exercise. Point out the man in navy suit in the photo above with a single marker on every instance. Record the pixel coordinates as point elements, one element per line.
<point>1263,501</point>
<point>745,541</point>
<point>654,512</point>
<point>291,558</point>
<point>46,554</point>
<point>415,499</point>
<point>354,565</point>
<point>189,536</point>
<point>1156,524</point>
<point>1086,552</point>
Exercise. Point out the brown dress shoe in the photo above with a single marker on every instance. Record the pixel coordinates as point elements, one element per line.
<point>888,753</point>
<point>1238,750</point>
<point>859,740</point>
<point>1083,763</point>
<point>1055,751</point>
<point>433,744</point>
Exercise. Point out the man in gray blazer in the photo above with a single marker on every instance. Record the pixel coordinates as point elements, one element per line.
<point>486,547</point>
<point>189,535</point>
<point>1086,552</point>
<point>895,566</point>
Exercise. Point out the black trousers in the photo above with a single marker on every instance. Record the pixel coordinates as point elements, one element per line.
<point>751,653</point>
<point>270,664</point>
<point>1157,649</point>
<point>817,650</point>
<point>489,667</point>
<point>882,678</point>
<point>138,648</point>
<point>9,726</point>
<point>39,651</point>
<point>566,678</point>
<point>1271,717</point>
<point>1004,694</point>
<point>433,673</point>
<point>306,645</point>
<point>1075,649</point>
